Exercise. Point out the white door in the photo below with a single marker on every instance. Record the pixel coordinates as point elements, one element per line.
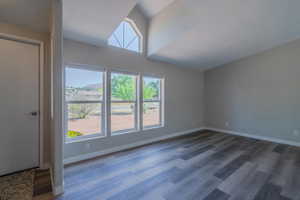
<point>19,100</point>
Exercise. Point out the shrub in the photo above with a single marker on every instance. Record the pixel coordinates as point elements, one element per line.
<point>123,87</point>
<point>82,111</point>
<point>72,134</point>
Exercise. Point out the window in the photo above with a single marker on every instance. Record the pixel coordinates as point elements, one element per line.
<point>123,103</point>
<point>152,102</point>
<point>84,103</point>
<point>100,103</point>
<point>126,36</point>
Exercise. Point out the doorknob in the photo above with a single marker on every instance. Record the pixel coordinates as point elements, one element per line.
<point>34,113</point>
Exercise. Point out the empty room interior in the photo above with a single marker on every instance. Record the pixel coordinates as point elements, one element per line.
<point>149,100</point>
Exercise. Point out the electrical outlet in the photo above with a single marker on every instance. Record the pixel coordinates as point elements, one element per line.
<point>227,124</point>
<point>296,132</point>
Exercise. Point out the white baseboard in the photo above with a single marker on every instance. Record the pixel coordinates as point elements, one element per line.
<point>270,139</point>
<point>75,159</point>
<point>56,190</point>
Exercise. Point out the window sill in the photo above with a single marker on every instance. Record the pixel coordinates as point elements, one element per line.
<point>152,127</point>
<point>124,132</point>
<point>95,136</point>
<point>84,138</point>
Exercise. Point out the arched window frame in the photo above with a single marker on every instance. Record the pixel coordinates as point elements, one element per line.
<point>138,33</point>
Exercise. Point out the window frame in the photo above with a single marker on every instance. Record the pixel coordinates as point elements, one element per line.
<point>135,102</point>
<point>160,101</point>
<point>103,132</point>
<point>106,103</point>
<point>138,33</point>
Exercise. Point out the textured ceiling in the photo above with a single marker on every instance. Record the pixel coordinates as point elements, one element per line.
<point>153,7</point>
<point>209,33</point>
<point>33,14</point>
<point>93,21</point>
<point>191,33</point>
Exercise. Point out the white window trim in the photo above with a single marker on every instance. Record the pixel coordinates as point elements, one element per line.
<point>135,102</point>
<point>138,32</point>
<point>160,101</point>
<point>106,103</point>
<point>103,132</point>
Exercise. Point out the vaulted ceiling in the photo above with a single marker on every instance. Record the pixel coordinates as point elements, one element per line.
<point>152,7</point>
<point>191,33</point>
<point>93,21</point>
<point>209,33</point>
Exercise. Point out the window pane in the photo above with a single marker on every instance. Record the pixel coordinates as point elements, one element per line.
<point>113,41</point>
<point>123,87</point>
<point>119,34</point>
<point>151,88</point>
<point>125,36</point>
<point>134,45</point>
<point>83,119</point>
<point>129,34</point>
<point>83,85</point>
<point>122,117</point>
<point>151,114</point>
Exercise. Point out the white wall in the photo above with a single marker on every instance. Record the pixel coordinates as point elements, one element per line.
<point>259,95</point>
<point>142,24</point>
<point>57,97</point>
<point>183,107</point>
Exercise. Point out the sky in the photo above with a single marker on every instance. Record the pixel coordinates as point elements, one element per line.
<point>81,78</point>
<point>130,36</point>
<point>149,80</point>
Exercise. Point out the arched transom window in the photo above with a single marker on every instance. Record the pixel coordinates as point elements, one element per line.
<point>127,36</point>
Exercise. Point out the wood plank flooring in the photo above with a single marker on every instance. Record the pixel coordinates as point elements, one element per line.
<point>200,166</point>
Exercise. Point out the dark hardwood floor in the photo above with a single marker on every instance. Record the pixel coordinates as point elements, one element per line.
<point>208,166</point>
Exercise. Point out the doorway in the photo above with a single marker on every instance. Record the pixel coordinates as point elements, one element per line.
<point>20,105</point>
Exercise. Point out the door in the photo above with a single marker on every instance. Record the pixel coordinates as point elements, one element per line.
<point>19,105</point>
